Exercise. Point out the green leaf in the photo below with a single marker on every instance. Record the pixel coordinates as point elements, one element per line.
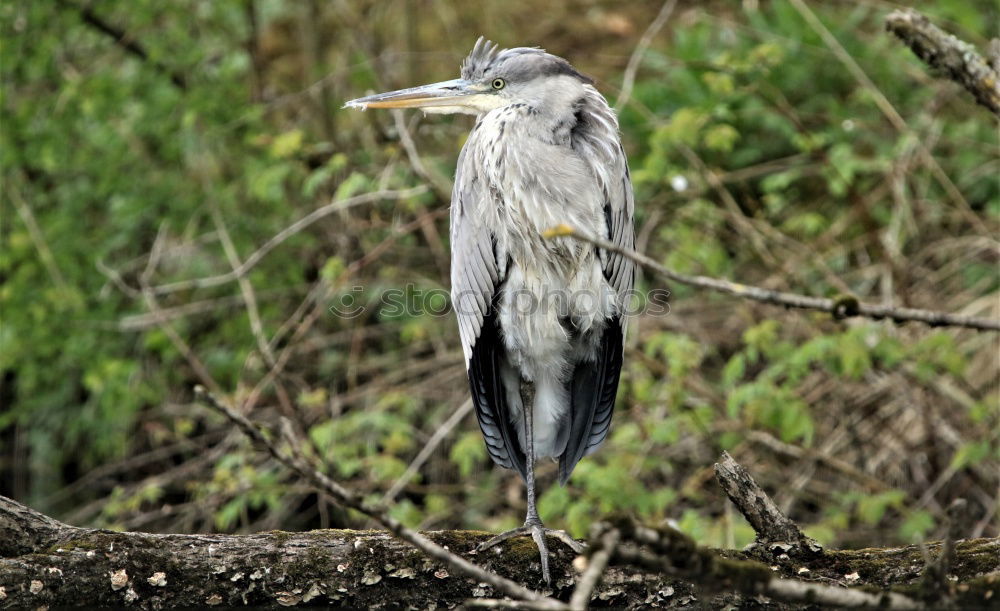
<point>316,180</point>
<point>871,508</point>
<point>683,128</point>
<point>287,144</point>
<point>719,83</point>
<point>970,453</point>
<point>227,516</point>
<point>734,370</point>
<point>467,452</point>
<point>721,138</point>
<point>916,525</point>
<point>352,185</point>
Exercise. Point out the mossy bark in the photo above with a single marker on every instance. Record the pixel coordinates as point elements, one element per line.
<point>46,563</point>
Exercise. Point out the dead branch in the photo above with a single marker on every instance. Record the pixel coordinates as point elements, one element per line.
<point>440,432</point>
<point>379,513</point>
<point>945,53</point>
<point>599,552</point>
<point>774,530</point>
<point>46,562</point>
<point>846,306</point>
<point>669,551</point>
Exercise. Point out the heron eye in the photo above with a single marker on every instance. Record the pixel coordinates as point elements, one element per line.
<point>498,83</point>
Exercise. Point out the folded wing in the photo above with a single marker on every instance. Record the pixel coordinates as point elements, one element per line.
<point>476,278</point>
<point>595,383</point>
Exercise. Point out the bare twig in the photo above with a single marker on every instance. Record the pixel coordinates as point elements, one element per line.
<point>842,307</point>
<point>315,305</point>
<point>946,53</point>
<point>256,256</point>
<point>499,603</point>
<point>246,288</point>
<point>140,322</point>
<point>743,224</point>
<point>441,184</point>
<point>37,237</point>
<point>628,82</point>
<point>93,479</point>
<point>315,298</point>
<point>440,433</point>
<point>379,513</point>
<point>599,553</point>
<point>250,300</point>
<point>155,252</point>
<point>809,454</point>
<point>791,590</point>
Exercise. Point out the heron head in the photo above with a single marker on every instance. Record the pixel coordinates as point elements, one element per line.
<point>491,78</point>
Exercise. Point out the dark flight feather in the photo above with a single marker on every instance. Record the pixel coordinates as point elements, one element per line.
<point>592,399</point>
<point>490,399</point>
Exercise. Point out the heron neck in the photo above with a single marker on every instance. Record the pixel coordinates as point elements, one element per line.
<point>558,98</point>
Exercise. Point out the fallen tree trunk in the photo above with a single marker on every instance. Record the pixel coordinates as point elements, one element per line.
<point>46,563</point>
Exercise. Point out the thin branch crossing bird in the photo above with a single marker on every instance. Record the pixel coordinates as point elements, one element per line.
<point>542,319</point>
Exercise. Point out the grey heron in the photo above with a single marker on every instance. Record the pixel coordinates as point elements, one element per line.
<point>542,321</point>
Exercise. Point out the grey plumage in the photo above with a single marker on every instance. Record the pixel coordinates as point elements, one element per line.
<point>541,320</point>
<point>525,168</point>
<point>516,65</point>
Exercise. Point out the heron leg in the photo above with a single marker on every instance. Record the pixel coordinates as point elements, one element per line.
<point>532,523</point>
<point>532,520</point>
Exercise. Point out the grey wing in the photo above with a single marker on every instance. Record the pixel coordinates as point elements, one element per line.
<point>476,278</point>
<point>596,140</point>
<point>594,384</point>
<point>620,273</point>
<point>619,209</point>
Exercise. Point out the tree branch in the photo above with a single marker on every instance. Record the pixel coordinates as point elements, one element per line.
<point>379,513</point>
<point>841,307</point>
<point>774,530</point>
<point>44,562</point>
<point>122,39</point>
<point>599,553</point>
<point>670,551</point>
<point>946,53</point>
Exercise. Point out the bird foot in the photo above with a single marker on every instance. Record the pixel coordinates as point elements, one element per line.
<point>537,532</point>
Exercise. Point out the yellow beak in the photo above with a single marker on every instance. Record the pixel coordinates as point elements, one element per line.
<point>447,93</point>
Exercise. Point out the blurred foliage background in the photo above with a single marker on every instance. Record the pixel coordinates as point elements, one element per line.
<point>158,158</point>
